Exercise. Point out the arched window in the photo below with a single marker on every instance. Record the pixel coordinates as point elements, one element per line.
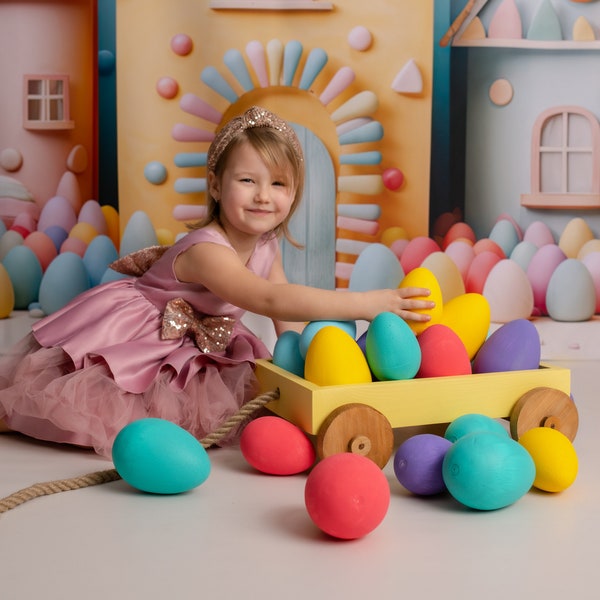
<point>565,160</point>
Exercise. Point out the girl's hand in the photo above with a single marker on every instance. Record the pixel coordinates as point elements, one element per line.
<point>402,302</point>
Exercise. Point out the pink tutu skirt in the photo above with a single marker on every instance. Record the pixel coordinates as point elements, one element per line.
<point>43,395</point>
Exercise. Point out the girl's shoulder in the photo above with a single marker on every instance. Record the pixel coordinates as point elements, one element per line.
<point>204,234</point>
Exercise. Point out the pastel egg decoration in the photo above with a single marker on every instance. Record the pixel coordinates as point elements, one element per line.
<point>65,278</point>
<point>42,246</point>
<point>98,255</point>
<point>312,328</point>
<point>447,274</point>
<point>592,264</point>
<point>416,251</point>
<point>462,254</point>
<point>459,231</point>
<point>8,241</point>
<point>424,278</point>
<point>57,211</point>
<point>487,245</point>
<point>487,471</point>
<point>479,270</point>
<point>392,349</point>
<point>515,346</point>
<point>442,353</point>
<point>472,423</point>
<point>522,254</point>
<point>334,358</point>
<point>505,235</point>
<point>555,458</point>
<point>159,457</point>
<point>7,294</point>
<point>275,446</point>
<point>113,228</point>
<point>540,269</point>
<point>347,495</point>
<point>75,245</point>
<point>573,237</point>
<point>418,464</point>
<point>287,355</point>
<point>469,316</point>
<point>589,247</point>
<point>539,234</point>
<point>571,295</point>
<point>91,213</point>
<point>57,234</point>
<point>508,291</point>
<point>138,234</point>
<point>376,267</point>
<point>25,273</point>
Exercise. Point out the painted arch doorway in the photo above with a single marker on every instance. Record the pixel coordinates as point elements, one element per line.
<point>313,224</point>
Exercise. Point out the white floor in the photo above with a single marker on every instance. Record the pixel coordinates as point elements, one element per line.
<point>246,535</point>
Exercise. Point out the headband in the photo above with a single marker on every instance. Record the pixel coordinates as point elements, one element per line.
<point>253,117</point>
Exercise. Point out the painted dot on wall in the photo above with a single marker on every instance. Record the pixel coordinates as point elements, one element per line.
<point>360,38</point>
<point>155,172</point>
<point>11,159</point>
<point>181,44</point>
<point>501,92</point>
<point>106,62</point>
<point>167,87</point>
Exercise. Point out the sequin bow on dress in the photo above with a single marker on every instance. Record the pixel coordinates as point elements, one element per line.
<point>210,333</point>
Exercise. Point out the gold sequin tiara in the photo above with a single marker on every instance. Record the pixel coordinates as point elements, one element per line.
<point>253,117</point>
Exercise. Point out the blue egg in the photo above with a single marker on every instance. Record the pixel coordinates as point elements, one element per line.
<point>571,295</point>
<point>25,273</point>
<point>376,268</point>
<point>523,253</point>
<point>286,353</point>
<point>487,471</point>
<point>505,235</point>
<point>309,332</point>
<point>65,278</point>
<point>139,233</point>
<point>57,234</point>
<point>392,348</point>
<point>472,423</point>
<point>157,456</point>
<point>98,255</point>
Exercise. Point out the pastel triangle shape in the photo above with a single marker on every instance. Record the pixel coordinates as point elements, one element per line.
<point>506,23</point>
<point>545,25</point>
<point>409,79</point>
<point>582,30</point>
<point>474,30</point>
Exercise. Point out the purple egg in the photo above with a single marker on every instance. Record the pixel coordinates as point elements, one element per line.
<point>418,464</point>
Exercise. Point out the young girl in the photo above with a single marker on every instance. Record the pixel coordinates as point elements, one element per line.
<point>170,343</point>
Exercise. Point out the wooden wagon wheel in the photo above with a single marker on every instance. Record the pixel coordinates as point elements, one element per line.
<point>544,407</point>
<point>359,429</point>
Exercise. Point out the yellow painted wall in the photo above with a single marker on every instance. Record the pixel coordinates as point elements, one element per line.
<point>401,30</point>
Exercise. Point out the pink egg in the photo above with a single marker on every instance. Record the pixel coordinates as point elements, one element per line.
<point>91,212</point>
<point>75,245</point>
<point>442,353</point>
<point>592,263</point>
<point>459,230</point>
<point>541,266</point>
<point>416,251</point>
<point>42,246</point>
<point>275,446</point>
<point>462,253</point>
<point>398,247</point>
<point>25,220</point>
<point>487,245</point>
<point>57,211</point>
<point>539,233</point>
<point>479,270</point>
<point>508,292</point>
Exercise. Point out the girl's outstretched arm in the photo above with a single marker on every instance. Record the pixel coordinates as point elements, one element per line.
<point>221,270</point>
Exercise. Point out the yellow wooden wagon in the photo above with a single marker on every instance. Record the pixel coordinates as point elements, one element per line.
<point>360,418</point>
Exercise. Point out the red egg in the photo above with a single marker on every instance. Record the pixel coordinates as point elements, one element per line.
<point>458,230</point>
<point>347,495</point>
<point>416,251</point>
<point>479,270</point>
<point>442,353</point>
<point>275,446</point>
<point>487,245</point>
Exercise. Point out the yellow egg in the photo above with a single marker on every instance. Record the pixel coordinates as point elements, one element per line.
<point>165,237</point>
<point>468,316</point>
<point>83,231</point>
<point>555,459</point>
<point>424,278</point>
<point>392,234</point>
<point>575,234</point>
<point>112,223</point>
<point>7,293</point>
<point>335,358</point>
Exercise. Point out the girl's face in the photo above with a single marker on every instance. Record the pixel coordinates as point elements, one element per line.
<point>253,200</point>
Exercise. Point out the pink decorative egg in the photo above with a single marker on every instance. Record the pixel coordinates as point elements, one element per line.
<point>275,446</point>
<point>416,251</point>
<point>456,231</point>
<point>479,270</point>
<point>592,263</point>
<point>462,253</point>
<point>42,246</point>
<point>539,233</point>
<point>442,353</point>
<point>508,292</point>
<point>540,269</point>
<point>487,245</point>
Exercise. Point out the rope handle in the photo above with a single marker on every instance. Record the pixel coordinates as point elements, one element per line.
<point>99,477</point>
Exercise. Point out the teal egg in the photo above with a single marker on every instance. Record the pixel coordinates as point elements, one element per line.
<point>309,332</point>
<point>139,233</point>
<point>286,353</point>
<point>98,255</point>
<point>487,471</point>
<point>157,456</point>
<point>65,278</point>
<point>472,423</point>
<point>392,349</point>
<point>25,272</point>
<point>571,295</point>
